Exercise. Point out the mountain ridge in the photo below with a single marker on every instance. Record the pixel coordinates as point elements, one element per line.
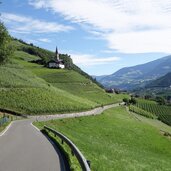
<point>139,75</point>
<point>164,81</point>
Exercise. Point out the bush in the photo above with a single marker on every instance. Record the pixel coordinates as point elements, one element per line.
<point>132,101</point>
<point>126,101</point>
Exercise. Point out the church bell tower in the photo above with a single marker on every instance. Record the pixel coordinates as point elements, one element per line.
<point>57,54</point>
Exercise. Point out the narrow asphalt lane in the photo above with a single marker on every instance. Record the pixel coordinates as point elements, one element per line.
<point>24,148</point>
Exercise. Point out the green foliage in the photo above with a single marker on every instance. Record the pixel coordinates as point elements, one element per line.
<point>76,84</point>
<point>43,54</point>
<point>126,101</point>
<point>46,55</point>
<point>33,89</point>
<point>5,48</point>
<point>22,91</point>
<point>41,101</point>
<point>162,112</point>
<point>160,100</point>
<point>6,121</point>
<point>116,141</point>
<point>142,112</point>
<point>132,101</point>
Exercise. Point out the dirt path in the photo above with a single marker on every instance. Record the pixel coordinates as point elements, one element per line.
<point>95,111</point>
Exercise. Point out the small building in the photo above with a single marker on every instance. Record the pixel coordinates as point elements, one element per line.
<point>57,62</point>
<point>110,90</point>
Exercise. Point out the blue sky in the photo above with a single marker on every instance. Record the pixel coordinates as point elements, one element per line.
<point>101,36</point>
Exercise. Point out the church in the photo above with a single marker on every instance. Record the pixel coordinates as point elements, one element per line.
<point>57,62</point>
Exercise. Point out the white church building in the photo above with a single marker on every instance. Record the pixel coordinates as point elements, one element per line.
<point>57,62</point>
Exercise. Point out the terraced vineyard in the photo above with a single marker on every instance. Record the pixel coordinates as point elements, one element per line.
<point>162,112</point>
<point>30,88</point>
<point>141,111</point>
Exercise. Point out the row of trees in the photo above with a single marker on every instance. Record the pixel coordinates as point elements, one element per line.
<point>5,48</point>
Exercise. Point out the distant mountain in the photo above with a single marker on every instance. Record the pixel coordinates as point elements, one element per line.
<point>162,82</point>
<point>137,76</point>
<point>98,78</point>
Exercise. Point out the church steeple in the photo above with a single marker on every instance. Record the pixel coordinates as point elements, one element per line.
<point>57,54</point>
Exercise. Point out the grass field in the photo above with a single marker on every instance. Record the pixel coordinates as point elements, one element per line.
<point>30,88</point>
<point>116,140</point>
<point>74,83</point>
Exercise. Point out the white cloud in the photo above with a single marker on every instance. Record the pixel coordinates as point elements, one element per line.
<point>44,40</point>
<point>141,42</point>
<point>23,24</point>
<point>90,60</point>
<point>129,26</point>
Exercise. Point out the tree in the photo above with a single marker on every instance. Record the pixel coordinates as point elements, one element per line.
<point>160,100</point>
<point>5,49</point>
<point>126,101</point>
<point>132,101</point>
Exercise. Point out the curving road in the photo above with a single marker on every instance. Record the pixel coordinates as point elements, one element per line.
<point>24,148</point>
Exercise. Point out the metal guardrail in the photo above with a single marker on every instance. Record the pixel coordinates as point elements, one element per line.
<point>85,165</point>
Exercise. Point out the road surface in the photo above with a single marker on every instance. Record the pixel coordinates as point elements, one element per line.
<point>24,148</point>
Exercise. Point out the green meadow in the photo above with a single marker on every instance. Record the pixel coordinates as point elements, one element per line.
<point>118,140</point>
<point>30,88</point>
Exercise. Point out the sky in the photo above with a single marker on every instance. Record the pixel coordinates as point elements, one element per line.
<point>102,36</point>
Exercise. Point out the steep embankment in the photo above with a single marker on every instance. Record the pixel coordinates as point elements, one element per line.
<point>31,88</point>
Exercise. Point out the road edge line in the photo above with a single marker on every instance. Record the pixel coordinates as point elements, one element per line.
<point>35,127</point>
<point>6,129</point>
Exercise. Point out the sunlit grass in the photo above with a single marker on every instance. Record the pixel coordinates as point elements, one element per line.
<point>117,141</point>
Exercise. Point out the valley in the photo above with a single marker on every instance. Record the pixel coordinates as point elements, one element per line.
<point>139,76</point>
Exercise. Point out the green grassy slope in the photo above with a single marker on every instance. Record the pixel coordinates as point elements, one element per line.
<point>76,84</point>
<point>22,91</point>
<point>30,88</point>
<point>116,140</point>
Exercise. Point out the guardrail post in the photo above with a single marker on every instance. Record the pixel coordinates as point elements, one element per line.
<point>89,163</point>
<point>72,152</point>
<point>62,141</point>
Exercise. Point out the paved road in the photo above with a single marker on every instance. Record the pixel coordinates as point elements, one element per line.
<point>23,148</point>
